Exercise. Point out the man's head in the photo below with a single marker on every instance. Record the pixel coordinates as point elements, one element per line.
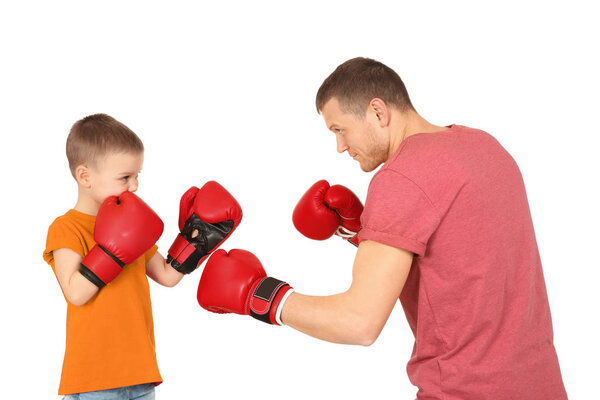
<point>357,101</point>
<point>105,156</point>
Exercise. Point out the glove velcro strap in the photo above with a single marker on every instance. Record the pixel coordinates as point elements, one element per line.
<point>265,299</point>
<point>181,249</point>
<point>184,256</point>
<point>100,266</point>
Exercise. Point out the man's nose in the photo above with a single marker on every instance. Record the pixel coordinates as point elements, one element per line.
<point>341,146</point>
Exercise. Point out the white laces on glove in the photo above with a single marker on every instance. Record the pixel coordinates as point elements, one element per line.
<point>344,233</point>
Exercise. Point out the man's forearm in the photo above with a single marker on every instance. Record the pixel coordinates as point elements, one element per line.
<point>357,315</point>
<point>331,318</point>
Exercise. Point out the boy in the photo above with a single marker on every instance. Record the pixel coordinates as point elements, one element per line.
<point>102,250</point>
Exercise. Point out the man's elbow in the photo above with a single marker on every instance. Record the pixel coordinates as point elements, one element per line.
<point>369,337</point>
<point>366,333</point>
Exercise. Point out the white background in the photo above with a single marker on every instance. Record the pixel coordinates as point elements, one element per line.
<point>225,91</point>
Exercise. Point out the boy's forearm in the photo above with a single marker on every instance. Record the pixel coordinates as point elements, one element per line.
<point>171,276</point>
<point>79,290</point>
<point>161,272</point>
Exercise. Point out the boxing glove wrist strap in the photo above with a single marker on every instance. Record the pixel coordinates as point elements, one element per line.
<point>266,298</point>
<point>188,251</point>
<point>100,266</point>
<point>184,256</point>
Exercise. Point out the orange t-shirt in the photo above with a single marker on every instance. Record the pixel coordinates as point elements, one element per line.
<point>110,339</point>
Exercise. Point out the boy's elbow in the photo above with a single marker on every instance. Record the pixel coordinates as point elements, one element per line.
<point>168,280</point>
<point>78,298</point>
<point>169,284</point>
<point>171,279</point>
<point>77,301</point>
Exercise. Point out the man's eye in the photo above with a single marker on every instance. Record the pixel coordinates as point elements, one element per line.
<point>339,131</point>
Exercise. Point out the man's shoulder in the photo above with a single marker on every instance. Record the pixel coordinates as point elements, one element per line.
<point>438,154</point>
<point>437,163</point>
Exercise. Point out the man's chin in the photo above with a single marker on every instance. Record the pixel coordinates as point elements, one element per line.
<point>368,167</point>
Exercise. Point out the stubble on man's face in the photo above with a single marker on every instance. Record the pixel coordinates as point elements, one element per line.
<point>376,150</point>
<point>360,138</point>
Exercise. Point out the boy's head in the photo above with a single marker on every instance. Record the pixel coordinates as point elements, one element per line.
<point>105,156</point>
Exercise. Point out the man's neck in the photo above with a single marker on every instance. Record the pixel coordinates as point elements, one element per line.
<point>406,124</point>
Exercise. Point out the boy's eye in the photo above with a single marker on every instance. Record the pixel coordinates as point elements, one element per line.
<point>124,179</point>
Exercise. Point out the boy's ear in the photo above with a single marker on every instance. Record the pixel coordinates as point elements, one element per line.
<point>82,175</point>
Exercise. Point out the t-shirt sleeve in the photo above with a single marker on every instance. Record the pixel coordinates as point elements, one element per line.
<point>62,234</point>
<point>398,213</point>
<point>150,253</point>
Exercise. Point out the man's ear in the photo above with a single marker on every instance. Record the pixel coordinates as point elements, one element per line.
<point>380,110</point>
<point>82,175</point>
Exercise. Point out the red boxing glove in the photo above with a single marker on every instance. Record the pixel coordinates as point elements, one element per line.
<point>125,228</point>
<point>214,213</point>
<point>324,211</point>
<point>237,283</point>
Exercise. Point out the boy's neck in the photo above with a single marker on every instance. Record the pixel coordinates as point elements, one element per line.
<point>86,204</point>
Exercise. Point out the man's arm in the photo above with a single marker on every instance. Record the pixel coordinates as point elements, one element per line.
<point>161,272</point>
<point>358,315</point>
<point>77,289</point>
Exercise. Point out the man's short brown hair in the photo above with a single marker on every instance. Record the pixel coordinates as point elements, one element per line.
<point>359,80</point>
<point>94,136</point>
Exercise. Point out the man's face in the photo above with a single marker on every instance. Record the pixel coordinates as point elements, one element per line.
<point>116,173</point>
<point>362,138</point>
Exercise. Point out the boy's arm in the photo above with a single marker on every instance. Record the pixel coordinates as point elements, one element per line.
<point>77,289</point>
<point>161,272</point>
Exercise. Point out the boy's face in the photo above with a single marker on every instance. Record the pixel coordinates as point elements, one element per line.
<point>116,173</point>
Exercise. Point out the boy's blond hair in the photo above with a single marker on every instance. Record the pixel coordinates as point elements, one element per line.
<point>94,136</point>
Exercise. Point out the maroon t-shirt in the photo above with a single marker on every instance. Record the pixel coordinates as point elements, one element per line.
<point>475,296</point>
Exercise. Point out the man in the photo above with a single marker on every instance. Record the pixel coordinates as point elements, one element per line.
<point>446,228</point>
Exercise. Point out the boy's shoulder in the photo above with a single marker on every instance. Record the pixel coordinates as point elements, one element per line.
<point>72,230</point>
<point>73,220</point>
<point>61,219</point>
<point>63,224</point>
